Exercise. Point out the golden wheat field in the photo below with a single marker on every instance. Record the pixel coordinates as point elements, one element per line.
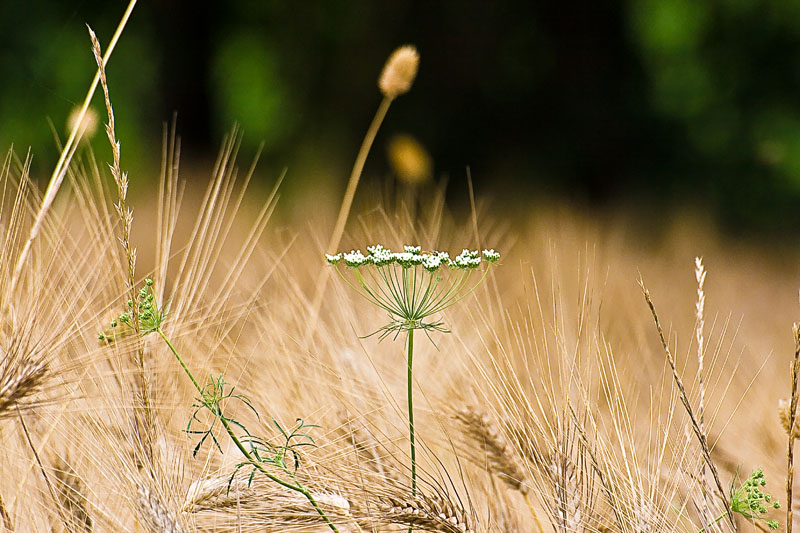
<point>190,361</point>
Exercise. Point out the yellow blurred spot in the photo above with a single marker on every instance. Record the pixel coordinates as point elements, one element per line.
<point>88,125</point>
<point>410,160</point>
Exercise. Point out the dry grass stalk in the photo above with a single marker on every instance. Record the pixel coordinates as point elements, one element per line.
<point>784,416</point>
<point>791,424</point>
<point>396,78</point>
<point>60,171</point>
<point>144,415</point>
<point>426,513</point>
<point>700,276</point>
<point>71,490</point>
<point>699,434</point>
<point>600,469</point>
<point>262,505</point>
<point>48,482</point>
<point>497,452</point>
<point>503,518</point>
<point>154,513</point>
<point>645,517</point>
<point>367,446</point>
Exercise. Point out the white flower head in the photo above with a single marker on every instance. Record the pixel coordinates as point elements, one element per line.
<point>412,249</point>
<point>491,256</point>
<point>467,260</point>
<point>333,259</point>
<point>431,263</point>
<point>376,249</point>
<point>355,259</point>
<point>379,255</point>
<point>405,259</point>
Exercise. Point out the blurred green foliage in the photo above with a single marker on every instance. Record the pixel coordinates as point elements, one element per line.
<point>655,102</point>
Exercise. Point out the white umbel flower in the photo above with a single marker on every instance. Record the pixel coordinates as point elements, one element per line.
<point>491,256</point>
<point>333,259</point>
<point>355,259</point>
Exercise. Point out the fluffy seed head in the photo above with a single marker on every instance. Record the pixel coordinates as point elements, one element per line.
<point>399,72</point>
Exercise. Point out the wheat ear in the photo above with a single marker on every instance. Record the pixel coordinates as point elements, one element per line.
<point>216,493</point>
<point>71,489</point>
<point>18,380</point>
<point>154,514</point>
<point>480,427</point>
<point>430,513</point>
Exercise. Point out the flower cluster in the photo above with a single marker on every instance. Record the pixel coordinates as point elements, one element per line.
<point>751,501</point>
<point>149,315</point>
<point>408,294</point>
<point>412,256</point>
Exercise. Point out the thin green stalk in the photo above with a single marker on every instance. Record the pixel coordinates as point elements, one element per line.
<point>411,415</point>
<point>411,412</point>
<point>717,519</point>
<point>297,488</point>
<point>180,360</point>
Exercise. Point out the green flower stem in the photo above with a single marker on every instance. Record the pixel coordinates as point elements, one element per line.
<point>717,519</point>
<point>180,360</point>
<point>297,488</point>
<point>411,412</point>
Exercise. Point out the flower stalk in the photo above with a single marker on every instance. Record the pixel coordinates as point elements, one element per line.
<point>412,286</point>
<point>151,318</point>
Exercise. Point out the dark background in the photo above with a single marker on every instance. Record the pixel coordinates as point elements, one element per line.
<point>655,104</point>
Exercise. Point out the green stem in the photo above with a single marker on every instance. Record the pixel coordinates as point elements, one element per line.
<point>717,519</point>
<point>180,360</point>
<point>250,459</point>
<point>411,413</point>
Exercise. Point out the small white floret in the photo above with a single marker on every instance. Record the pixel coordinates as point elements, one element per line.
<point>355,259</point>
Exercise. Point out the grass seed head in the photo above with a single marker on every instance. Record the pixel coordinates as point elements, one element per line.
<point>399,72</point>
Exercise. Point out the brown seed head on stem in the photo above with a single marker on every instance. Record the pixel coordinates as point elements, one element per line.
<point>399,72</point>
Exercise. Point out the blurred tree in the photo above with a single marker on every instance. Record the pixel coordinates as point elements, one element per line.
<point>657,102</point>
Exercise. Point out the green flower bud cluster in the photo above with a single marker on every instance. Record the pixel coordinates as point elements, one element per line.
<point>150,316</point>
<point>751,501</point>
